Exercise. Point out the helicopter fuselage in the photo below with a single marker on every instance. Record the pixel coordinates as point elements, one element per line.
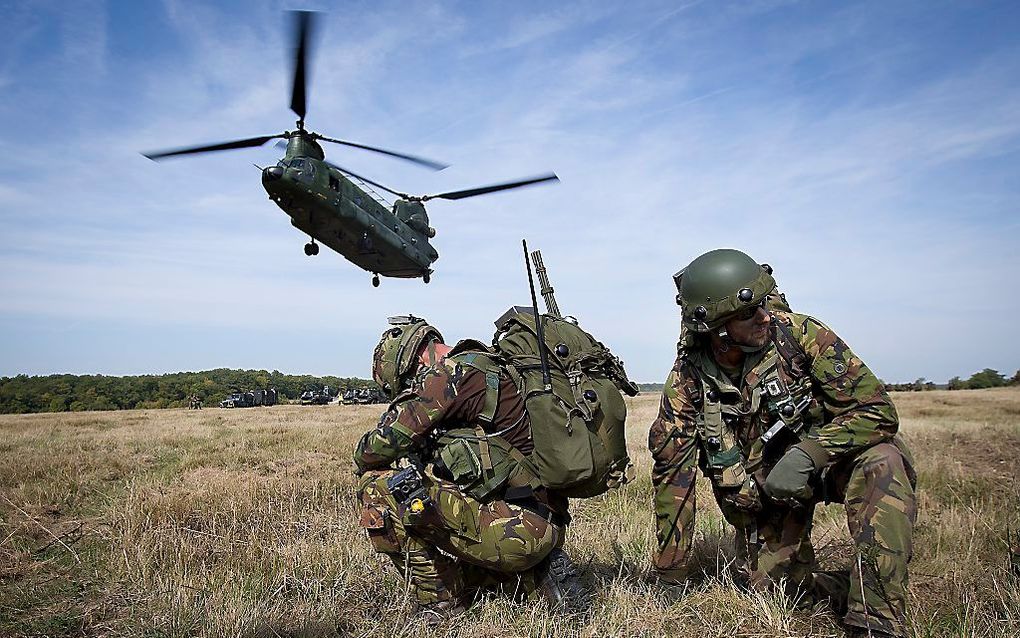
<point>329,207</point>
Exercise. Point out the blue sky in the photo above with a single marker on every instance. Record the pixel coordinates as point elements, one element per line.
<point>868,150</point>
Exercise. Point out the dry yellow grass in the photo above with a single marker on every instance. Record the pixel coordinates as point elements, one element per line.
<point>181,523</point>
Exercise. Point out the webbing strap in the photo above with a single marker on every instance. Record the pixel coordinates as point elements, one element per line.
<point>483,450</point>
<point>484,364</point>
<point>789,348</point>
<point>492,382</point>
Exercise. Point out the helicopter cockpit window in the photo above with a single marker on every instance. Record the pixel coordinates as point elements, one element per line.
<point>334,183</point>
<point>305,170</point>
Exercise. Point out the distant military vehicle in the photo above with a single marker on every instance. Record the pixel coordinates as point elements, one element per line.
<point>238,400</point>
<point>316,397</point>
<point>362,396</point>
<point>250,399</point>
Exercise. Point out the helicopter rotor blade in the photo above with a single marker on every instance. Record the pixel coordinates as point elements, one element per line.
<point>367,181</point>
<point>436,166</point>
<point>223,146</point>
<point>472,192</point>
<point>304,23</point>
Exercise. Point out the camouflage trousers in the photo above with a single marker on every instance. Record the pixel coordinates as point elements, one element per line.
<point>877,489</point>
<point>458,547</point>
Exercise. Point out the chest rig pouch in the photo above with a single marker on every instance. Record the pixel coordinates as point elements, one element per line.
<point>482,463</point>
<point>724,460</point>
<point>790,407</point>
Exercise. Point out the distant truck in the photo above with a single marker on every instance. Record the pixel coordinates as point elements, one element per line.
<point>362,396</point>
<point>250,399</point>
<point>316,397</point>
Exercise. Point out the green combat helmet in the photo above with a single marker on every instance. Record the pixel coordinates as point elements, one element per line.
<point>718,284</point>
<point>397,353</point>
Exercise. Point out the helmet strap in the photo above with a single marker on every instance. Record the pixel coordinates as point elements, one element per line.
<point>727,341</point>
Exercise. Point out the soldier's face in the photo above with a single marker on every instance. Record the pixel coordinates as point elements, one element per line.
<point>752,332</point>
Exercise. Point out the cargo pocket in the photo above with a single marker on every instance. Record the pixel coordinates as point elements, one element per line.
<point>381,533</point>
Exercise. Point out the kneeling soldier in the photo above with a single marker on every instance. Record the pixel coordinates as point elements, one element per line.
<point>450,541</point>
<point>779,413</point>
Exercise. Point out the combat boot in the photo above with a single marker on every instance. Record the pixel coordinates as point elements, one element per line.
<point>561,585</point>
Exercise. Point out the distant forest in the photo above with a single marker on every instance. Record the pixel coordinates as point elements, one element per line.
<point>987,378</point>
<point>74,393</point>
<point>650,387</point>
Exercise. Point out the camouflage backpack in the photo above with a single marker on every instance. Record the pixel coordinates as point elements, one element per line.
<point>578,426</point>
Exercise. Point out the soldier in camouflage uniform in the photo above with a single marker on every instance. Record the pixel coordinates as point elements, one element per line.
<point>780,415</point>
<point>449,542</point>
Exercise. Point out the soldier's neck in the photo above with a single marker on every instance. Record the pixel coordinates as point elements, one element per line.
<point>434,353</point>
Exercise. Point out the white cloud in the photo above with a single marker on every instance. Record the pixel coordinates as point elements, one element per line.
<point>860,205</point>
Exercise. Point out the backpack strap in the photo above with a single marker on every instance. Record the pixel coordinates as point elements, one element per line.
<point>475,354</point>
<point>789,347</point>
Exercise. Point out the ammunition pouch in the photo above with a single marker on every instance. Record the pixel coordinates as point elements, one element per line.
<point>482,465</point>
<point>724,461</point>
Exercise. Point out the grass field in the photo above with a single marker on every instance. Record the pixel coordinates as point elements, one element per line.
<point>218,522</point>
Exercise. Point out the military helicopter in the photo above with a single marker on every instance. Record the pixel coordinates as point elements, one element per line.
<point>335,206</point>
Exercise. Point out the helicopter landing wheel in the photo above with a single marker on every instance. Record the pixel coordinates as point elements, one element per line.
<point>426,277</point>
<point>375,281</point>
<point>311,248</point>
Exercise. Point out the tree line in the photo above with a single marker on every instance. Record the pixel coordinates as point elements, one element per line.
<point>74,393</point>
<point>987,378</point>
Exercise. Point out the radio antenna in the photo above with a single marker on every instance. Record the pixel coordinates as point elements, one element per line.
<point>546,382</point>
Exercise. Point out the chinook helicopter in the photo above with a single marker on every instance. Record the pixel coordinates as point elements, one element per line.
<point>335,206</point>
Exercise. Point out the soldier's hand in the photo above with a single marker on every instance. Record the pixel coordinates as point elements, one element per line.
<point>790,478</point>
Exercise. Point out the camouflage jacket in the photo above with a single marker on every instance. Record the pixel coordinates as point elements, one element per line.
<point>806,384</point>
<point>444,396</point>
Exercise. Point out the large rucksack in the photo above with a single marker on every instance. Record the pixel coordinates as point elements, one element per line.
<point>578,426</point>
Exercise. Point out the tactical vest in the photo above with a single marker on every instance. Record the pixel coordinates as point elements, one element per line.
<point>790,410</point>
